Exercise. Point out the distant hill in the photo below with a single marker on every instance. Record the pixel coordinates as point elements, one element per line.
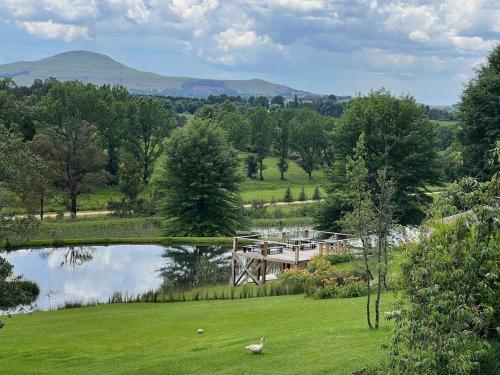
<point>101,69</point>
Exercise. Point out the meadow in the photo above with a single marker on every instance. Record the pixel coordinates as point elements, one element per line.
<point>302,336</point>
<point>271,189</point>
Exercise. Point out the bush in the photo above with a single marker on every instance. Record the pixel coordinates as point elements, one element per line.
<point>340,257</point>
<point>302,195</point>
<point>316,195</point>
<point>351,290</point>
<point>329,291</point>
<point>294,276</point>
<point>288,194</point>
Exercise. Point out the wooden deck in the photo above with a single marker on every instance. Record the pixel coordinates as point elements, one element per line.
<point>252,254</point>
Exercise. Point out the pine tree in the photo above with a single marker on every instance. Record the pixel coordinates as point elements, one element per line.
<point>288,194</point>
<point>302,195</point>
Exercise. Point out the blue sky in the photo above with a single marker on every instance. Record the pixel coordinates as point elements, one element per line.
<point>426,48</point>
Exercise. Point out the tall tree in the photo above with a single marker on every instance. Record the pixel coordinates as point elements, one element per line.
<point>308,138</point>
<point>237,127</point>
<point>397,134</point>
<point>149,126</point>
<point>282,138</point>
<point>480,117</point>
<point>358,221</point>
<point>74,158</point>
<point>200,182</point>
<point>262,135</point>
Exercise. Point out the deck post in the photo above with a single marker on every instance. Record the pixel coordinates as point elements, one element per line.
<point>321,248</point>
<point>233,261</point>
<point>283,236</point>
<point>306,233</point>
<point>265,252</point>
<point>296,251</point>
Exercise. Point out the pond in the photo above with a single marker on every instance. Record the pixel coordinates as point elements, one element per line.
<point>93,273</point>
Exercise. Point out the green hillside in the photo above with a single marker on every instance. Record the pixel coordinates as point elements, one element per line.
<point>101,69</point>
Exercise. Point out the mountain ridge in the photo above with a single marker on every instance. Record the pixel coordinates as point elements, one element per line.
<point>98,68</point>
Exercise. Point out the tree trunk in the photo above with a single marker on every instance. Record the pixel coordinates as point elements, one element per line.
<point>73,207</point>
<point>379,286</point>
<point>41,206</point>
<point>368,278</point>
<point>282,175</point>
<point>261,167</point>
<point>310,175</point>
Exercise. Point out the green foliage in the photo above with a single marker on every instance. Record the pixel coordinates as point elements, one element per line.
<point>200,182</point>
<point>149,125</point>
<point>398,135</point>
<point>74,158</point>
<point>237,127</point>
<point>302,195</point>
<point>288,194</point>
<point>308,138</point>
<point>452,290</point>
<point>130,176</point>
<point>316,195</point>
<point>251,166</point>
<point>261,139</point>
<point>13,290</point>
<point>282,138</point>
<point>480,118</point>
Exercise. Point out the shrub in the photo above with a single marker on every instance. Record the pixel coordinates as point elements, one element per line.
<point>294,276</point>
<point>316,195</point>
<point>288,194</point>
<point>329,291</point>
<point>351,290</point>
<point>343,256</point>
<point>302,195</point>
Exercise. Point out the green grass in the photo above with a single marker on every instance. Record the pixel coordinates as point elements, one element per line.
<point>303,336</point>
<point>270,189</point>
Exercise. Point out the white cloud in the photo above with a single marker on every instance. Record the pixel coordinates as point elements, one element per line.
<point>192,11</point>
<point>419,36</point>
<point>53,30</point>
<point>71,10</point>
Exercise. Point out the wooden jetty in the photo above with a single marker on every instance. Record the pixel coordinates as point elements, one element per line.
<point>253,254</point>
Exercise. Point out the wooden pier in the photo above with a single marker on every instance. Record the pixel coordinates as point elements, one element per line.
<point>253,254</point>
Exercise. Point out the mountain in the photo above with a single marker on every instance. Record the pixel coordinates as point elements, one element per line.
<point>101,69</point>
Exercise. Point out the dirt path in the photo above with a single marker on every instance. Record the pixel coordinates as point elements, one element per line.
<point>83,214</point>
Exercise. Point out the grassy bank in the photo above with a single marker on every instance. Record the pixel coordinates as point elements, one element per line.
<point>302,336</point>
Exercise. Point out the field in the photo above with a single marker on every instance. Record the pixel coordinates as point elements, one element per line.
<point>270,189</point>
<point>302,336</point>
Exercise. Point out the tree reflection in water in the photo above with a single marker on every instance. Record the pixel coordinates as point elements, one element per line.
<point>192,266</point>
<point>72,256</point>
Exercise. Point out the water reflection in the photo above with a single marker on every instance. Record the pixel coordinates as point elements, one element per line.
<point>87,274</point>
<point>189,267</point>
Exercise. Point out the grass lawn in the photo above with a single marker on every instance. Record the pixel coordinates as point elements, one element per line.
<point>270,189</point>
<point>303,336</point>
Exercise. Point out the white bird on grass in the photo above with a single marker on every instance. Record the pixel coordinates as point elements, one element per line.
<point>257,348</point>
<point>200,331</point>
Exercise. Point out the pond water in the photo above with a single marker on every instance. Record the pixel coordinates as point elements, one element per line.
<point>94,273</point>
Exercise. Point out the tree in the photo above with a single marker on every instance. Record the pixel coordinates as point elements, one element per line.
<point>317,194</point>
<point>262,135</point>
<point>288,194</point>
<point>149,126</point>
<point>74,158</point>
<point>358,221</point>
<point>14,291</point>
<point>383,224</point>
<point>200,182</point>
<point>452,302</point>
<point>278,100</point>
<point>302,195</point>
<point>282,138</point>
<point>130,176</point>
<point>480,117</point>
<point>399,135</point>
<point>252,166</point>
<point>17,166</point>
<point>237,127</point>
<point>105,107</point>
<point>307,138</point>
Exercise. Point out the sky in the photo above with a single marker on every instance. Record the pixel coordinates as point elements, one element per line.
<point>425,48</point>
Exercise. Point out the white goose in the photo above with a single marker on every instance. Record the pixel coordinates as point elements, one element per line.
<point>257,348</point>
